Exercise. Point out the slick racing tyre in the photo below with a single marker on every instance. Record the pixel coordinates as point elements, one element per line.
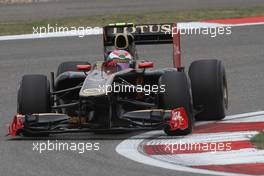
<point>34,95</point>
<point>69,66</point>
<point>177,94</point>
<point>209,89</point>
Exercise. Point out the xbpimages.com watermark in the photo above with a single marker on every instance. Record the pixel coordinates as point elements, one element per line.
<point>79,31</point>
<point>211,31</point>
<point>193,146</point>
<point>60,146</point>
<point>117,88</point>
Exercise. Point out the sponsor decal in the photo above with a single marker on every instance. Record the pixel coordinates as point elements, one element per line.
<point>141,29</point>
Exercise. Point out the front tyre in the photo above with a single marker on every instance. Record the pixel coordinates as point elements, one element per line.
<point>177,94</point>
<point>209,89</point>
<point>34,95</point>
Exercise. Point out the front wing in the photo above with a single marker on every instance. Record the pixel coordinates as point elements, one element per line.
<point>53,123</point>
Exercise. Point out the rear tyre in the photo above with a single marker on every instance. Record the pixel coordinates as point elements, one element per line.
<point>209,89</point>
<point>34,95</point>
<point>69,66</point>
<point>177,95</point>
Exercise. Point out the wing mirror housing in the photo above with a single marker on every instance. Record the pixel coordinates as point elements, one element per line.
<point>84,68</point>
<point>145,65</point>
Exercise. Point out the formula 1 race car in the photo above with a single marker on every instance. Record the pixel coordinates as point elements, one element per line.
<point>121,92</point>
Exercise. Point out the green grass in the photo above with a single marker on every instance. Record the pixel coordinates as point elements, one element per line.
<point>22,27</point>
<point>258,140</point>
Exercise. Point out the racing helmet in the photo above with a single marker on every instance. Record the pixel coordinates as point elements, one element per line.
<point>120,58</point>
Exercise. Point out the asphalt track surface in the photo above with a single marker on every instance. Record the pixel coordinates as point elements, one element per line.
<point>242,54</point>
<point>68,8</point>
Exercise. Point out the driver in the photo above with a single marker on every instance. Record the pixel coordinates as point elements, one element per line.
<point>118,60</point>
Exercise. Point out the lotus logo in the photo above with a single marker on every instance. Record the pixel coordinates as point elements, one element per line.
<point>141,29</point>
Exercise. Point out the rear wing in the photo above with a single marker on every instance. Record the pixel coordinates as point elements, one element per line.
<point>147,34</point>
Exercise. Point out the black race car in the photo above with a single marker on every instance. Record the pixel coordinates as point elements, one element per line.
<point>81,96</point>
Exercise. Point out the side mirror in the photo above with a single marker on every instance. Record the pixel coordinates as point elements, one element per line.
<point>84,68</point>
<point>145,65</point>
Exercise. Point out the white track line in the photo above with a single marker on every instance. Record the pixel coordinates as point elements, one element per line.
<point>215,158</point>
<point>238,116</point>
<point>52,35</point>
<point>257,118</point>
